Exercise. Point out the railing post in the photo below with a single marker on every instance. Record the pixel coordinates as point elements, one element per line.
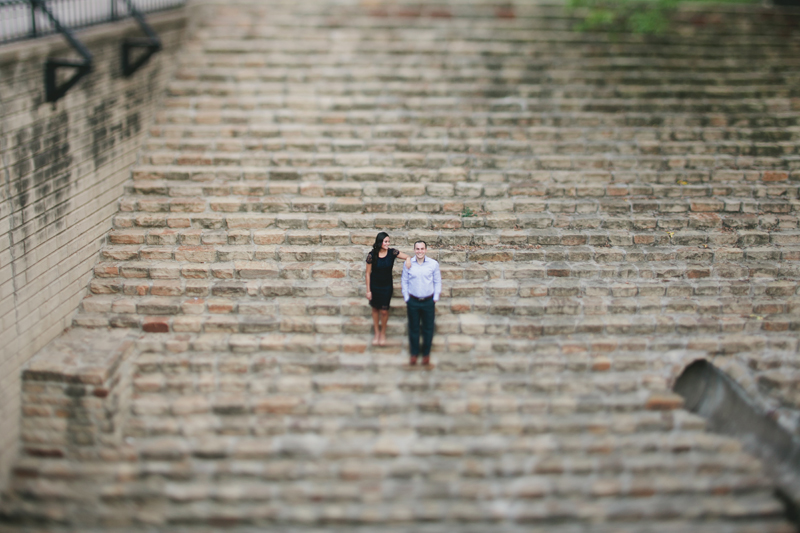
<point>83,67</point>
<point>151,44</point>
<point>33,17</point>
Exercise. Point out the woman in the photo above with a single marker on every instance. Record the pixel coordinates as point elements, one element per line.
<point>380,262</point>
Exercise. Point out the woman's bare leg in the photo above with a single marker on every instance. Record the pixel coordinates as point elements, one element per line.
<point>384,318</point>
<point>376,324</point>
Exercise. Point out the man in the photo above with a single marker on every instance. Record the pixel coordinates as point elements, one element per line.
<point>422,285</point>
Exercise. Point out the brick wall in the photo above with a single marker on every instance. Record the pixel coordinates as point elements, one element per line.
<point>63,168</point>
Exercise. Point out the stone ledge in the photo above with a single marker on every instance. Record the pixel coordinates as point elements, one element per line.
<point>80,356</point>
<point>75,393</point>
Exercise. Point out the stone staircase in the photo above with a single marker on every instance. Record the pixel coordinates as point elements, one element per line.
<point>605,212</point>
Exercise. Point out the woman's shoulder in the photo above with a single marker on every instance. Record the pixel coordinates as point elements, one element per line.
<point>394,251</point>
<point>369,257</point>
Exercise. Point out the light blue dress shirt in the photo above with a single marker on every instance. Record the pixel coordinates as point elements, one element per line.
<point>422,280</point>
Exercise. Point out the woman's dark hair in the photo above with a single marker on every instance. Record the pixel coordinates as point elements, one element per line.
<point>376,248</point>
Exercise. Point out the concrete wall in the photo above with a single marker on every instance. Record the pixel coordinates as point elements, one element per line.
<point>63,169</point>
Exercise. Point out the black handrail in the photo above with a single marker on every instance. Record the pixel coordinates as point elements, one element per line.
<point>150,43</point>
<point>19,19</point>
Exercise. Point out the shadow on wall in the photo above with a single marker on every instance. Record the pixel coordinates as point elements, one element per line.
<point>712,394</point>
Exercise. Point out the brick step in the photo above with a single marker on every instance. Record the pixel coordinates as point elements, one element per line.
<point>197,263</point>
<point>490,20</point>
<point>535,44</point>
<point>177,356</point>
<point>667,515</point>
<point>420,14</point>
<point>403,166</point>
<point>458,512</point>
<point>441,198</point>
<point>365,110</point>
<point>559,365</point>
<point>624,69</point>
<point>229,297</point>
<point>600,296</point>
<point>205,246</point>
<point>238,279</point>
<point>386,149</point>
<point>483,21</point>
<point>267,466</point>
<point>139,193</point>
<point>322,457</point>
<point>237,93</point>
<point>558,81</point>
<point>336,406</point>
<point>245,138</point>
<point>481,237</point>
<point>162,315</point>
<point>410,490</point>
<point>619,64</point>
<point>453,206</point>
<point>326,351</point>
<point>691,172</point>
<point>518,118</point>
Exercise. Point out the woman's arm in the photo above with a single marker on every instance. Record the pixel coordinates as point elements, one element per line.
<point>407,258</point>
<point>369,273</point>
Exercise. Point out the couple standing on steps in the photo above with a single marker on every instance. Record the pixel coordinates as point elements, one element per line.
<point>422,285</point>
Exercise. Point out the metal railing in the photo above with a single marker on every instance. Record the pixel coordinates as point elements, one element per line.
<point>20,19</point>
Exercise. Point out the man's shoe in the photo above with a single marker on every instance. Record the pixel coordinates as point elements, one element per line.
<point>426,361</point>
<point>412,360</point>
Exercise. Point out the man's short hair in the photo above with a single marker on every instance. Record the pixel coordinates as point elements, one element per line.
<point>423,242</point>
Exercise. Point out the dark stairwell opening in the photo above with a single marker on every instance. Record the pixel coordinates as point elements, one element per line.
<point>712,394</point>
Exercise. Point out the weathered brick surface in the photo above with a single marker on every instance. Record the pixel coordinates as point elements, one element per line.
<point>605,213</point>
<point>64,166</point>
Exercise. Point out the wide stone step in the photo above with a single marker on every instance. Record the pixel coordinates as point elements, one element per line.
<point>226,279</point>
<point>387,151</point>
<point>409,407</point>
<point>618,65</point>
<point>161,315</point>
<point>743,226</point>
<point>212,137</point>
<point>520,44</point>
<point>171,195</point>
<point>203,262</point>
<point>448,490</point>
<point>691,173</point>
<point>504,298</point>
<point>171,363</point>
<point>451,167</point>
<point>273,68</point>
<point>522,110</point>
<point>517,118</point>
<point>324,352</point>
<point>437,198</point>
<point>335,93</point>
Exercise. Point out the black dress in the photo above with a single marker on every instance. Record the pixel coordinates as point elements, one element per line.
<point>380,281</point>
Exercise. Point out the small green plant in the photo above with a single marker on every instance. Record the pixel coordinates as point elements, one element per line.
<point>635,16</point>
<point>467,212</point>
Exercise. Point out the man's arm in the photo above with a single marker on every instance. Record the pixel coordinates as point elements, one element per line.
<point>437,282</point>
<point>404,283</point>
